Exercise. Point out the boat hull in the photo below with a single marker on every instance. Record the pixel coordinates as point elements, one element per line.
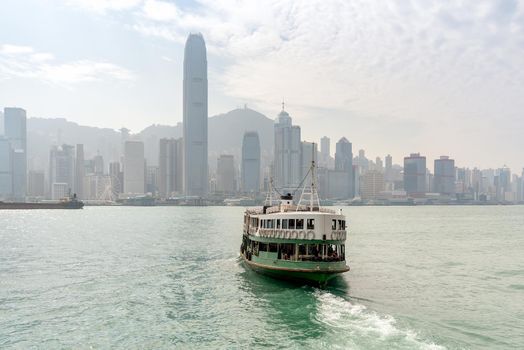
<point>318,277</point>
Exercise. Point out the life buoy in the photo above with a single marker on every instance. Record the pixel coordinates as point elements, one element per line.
<point>311,235</point>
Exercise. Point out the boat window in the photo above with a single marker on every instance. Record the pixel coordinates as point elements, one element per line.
<point>291,224</point>
<point>262,247</point>
<point>272,223</point>
<point>310,224</point>
<point>278,223</point>
<point>333,224</point>
<point>300,224</point>
<point>273,247</point>
<point>340,225</point>
<point>287,251</point>
<point>343,225</point>
<point>284,224</point>
<point>302,249</point>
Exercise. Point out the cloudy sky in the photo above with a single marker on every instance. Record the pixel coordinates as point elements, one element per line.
<point>430,76</point>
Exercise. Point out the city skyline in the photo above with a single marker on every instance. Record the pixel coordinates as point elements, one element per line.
<point>445,78</point>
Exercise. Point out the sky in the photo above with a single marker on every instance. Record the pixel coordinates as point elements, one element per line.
<point>431,76</point>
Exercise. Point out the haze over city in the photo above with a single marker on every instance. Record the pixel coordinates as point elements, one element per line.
<point>436,78</point>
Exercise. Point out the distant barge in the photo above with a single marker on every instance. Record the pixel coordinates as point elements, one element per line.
<point>63,204</point>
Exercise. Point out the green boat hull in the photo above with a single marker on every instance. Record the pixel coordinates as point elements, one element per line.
<point>314,276</point>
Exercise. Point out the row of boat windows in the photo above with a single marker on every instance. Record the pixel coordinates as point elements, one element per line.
<point>297,252</point>
<point>298,224</point>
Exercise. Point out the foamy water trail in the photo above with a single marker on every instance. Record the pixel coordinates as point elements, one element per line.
<point>361,328</point>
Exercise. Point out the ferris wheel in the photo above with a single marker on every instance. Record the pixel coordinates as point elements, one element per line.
<point>108,189</point>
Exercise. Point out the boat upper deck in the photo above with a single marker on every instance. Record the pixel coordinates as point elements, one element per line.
<point>288,208</point>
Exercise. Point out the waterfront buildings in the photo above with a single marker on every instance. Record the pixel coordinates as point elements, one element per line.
<point>444,176</point>
<point>6,171</point>
<point>35,184</point>
<point>134,168</point>
<point>225,182</point>
<point>250,167</point>
<point>16,133</point>
<point>195,117</point>
<point>170,167</point>
<point>372,184</point>
<point>415,175</point>
<point>61,171</point>
<point>79,171</point>
<point>287,152</point>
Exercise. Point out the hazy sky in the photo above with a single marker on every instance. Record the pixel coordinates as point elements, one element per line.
<point>438,77</point>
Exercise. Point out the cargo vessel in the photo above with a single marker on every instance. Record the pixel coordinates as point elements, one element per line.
<point>65,203</point>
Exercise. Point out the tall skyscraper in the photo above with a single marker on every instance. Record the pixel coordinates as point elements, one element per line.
<point>444,181</point>
<point>325,151</point>
<point>195,117</point>
<point>308,154</point>
<point>61,171</point>
<point>250,172</point>
<point>226,174</point>
<point>286,167</point>
<point>79,171</point>
<point>342,182</point>
<point>388,172</point>
<point>6,169</point>
<point>170,167</point>
<point>344,155</point>
<point>134,168</point>
<point>16,133</point>
<point>415,174</point>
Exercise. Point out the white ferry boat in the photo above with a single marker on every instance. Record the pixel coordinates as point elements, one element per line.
<point>302,242</point>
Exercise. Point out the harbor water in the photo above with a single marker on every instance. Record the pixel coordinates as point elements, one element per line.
<point>170,277</point>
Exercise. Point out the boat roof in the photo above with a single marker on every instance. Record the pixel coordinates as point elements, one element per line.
<point>290,209</point>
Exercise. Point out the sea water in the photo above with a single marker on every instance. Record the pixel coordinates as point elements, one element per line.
<point>170,277</point>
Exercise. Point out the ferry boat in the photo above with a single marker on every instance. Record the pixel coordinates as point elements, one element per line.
<point>302,242</point>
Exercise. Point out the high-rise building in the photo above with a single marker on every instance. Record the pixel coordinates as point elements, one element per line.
<point>379,165</point>
<point>225,174</point>
<point>325,152</point>
<point>415,174</point>
<point>250,168</point>
<point>444,181</point>
<point>170,167</point>
<point>6,169</point>
<point>344,155</point>
<point>195,117</point>
<point>35,184</point>
<point>116,177</point>
<point>287,171</point>
<point>344,165</point>
<point>79,171</point>
<point>16,133</point>
<point>372,183</point>
<point>308,154</point>
<point>61,170</point>
<point>134,168</point>
<point>98,162</point>
<point>388,171</point>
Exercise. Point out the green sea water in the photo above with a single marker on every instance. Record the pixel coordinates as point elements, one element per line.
<point>170,277</point>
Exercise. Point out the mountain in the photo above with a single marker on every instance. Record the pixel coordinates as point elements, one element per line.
<point>225,137</point>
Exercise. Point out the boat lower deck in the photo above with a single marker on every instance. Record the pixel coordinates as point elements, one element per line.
<point>318,273</point>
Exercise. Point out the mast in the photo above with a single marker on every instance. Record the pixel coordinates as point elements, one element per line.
<point>311,191</point>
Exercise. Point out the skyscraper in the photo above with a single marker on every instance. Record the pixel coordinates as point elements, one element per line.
<point>6,171</point>
<point>170,172</point>
<point>388,173</point>
<point>16,133</point>
<point>250,172</point>
<point>195,117</point>
<point>444,176</point>
<point>61,171</point>
<point>287,171</point>
<point>415,174</point>
<point>79,171</point>
<point>225,174</point>
<point>342,182</point>
<point>325,151</point>
<point>134,168</point>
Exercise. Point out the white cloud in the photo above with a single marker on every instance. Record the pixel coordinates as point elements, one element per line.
<point>102,6</point>
<point>160,10</point>
<point>25,62</point>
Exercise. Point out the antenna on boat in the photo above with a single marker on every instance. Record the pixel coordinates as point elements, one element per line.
<point>311,191</point>
<point>269,196</point>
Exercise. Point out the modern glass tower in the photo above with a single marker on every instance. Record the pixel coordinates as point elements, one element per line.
<point>16,133</point>
<point>195,117</point>
<point>251,162</point>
